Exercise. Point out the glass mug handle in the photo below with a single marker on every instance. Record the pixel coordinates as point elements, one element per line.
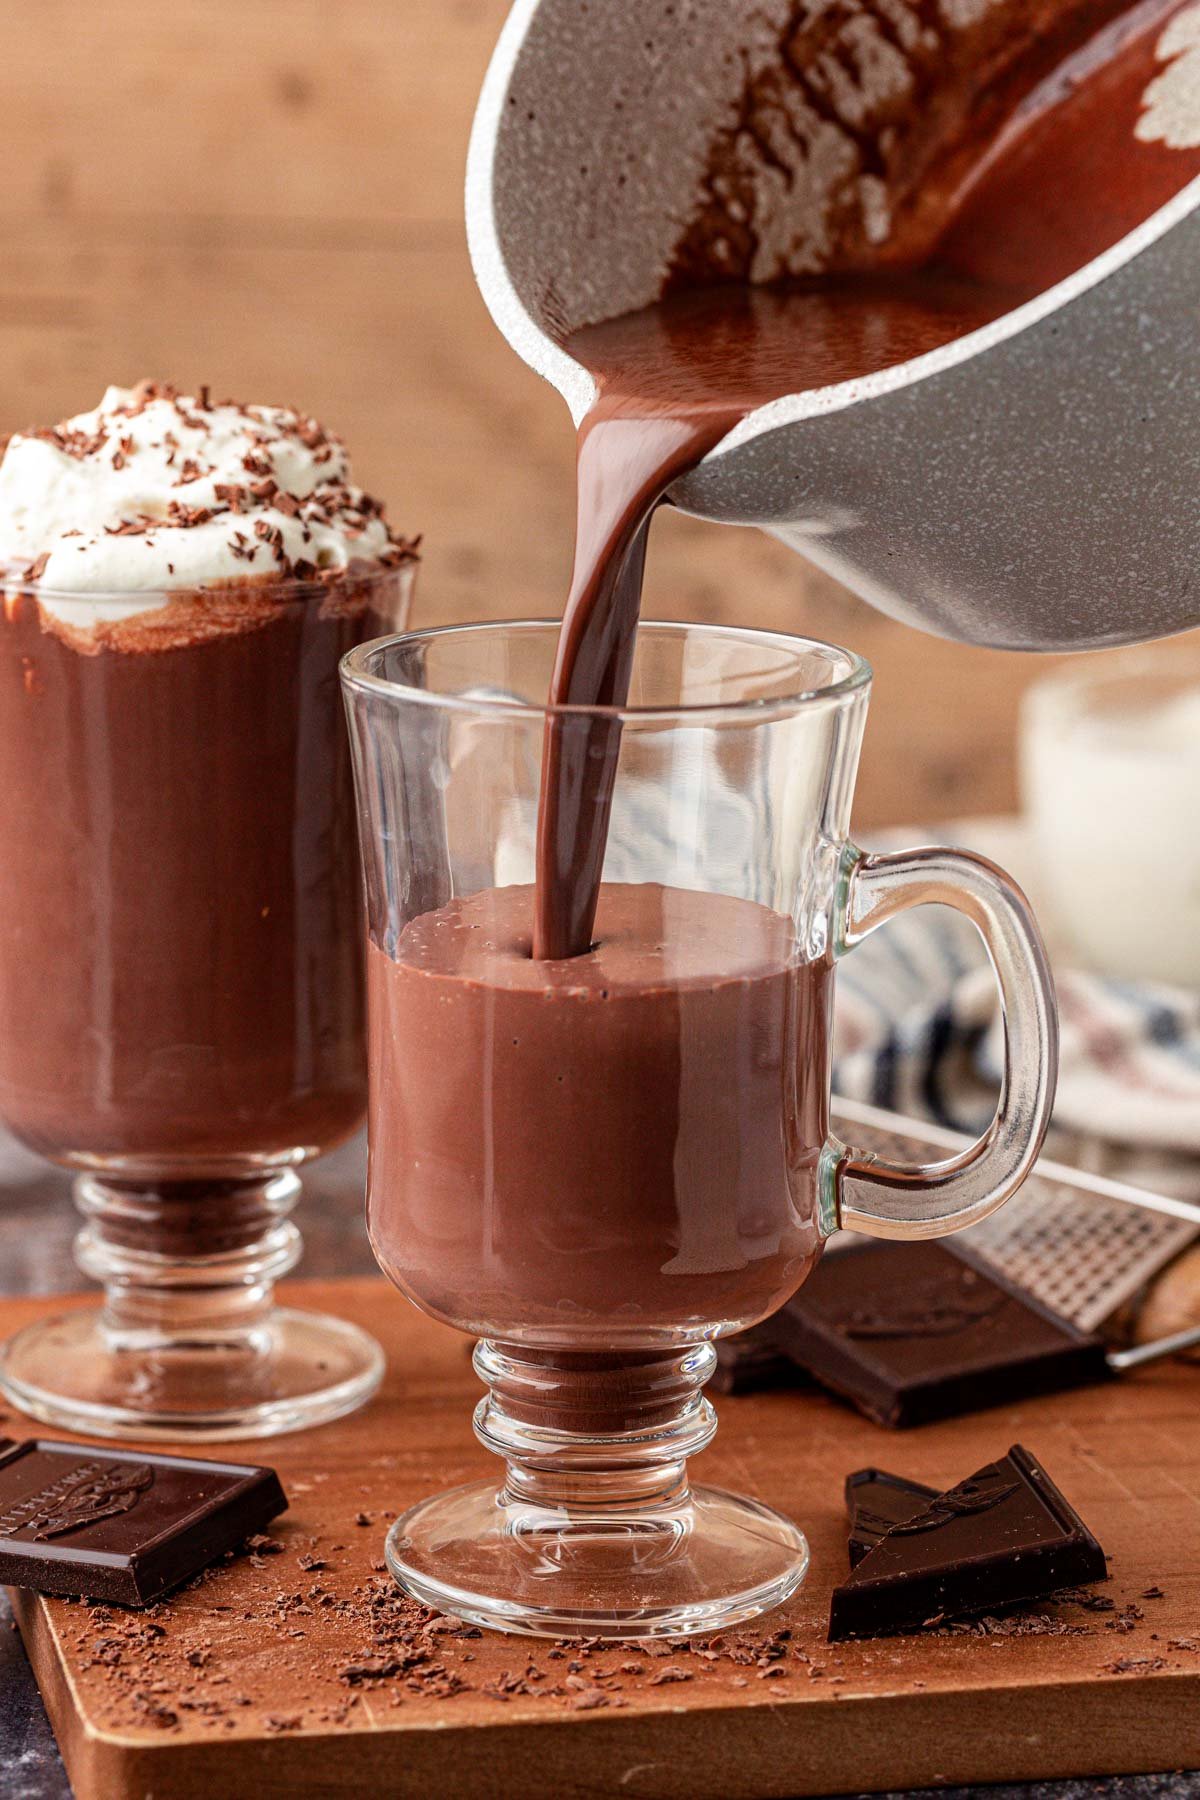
<point>926,1200</point>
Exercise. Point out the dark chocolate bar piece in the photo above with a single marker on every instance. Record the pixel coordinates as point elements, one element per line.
<point>752,1362</point>
<point>1007,1536</point>
<point>915,1332</point>
<point>122,1525</point>
<point>875,1502</point>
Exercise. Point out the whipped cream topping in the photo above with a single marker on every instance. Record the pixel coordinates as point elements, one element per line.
<point>153,490</point>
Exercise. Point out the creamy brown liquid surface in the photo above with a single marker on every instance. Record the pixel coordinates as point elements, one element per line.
<point>611,1148</point>
<point>1058,180</point>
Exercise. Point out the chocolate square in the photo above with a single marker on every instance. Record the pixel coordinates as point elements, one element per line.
<point>1005,1536</point>
<point>122,1525</point>
<point>914,1332</point>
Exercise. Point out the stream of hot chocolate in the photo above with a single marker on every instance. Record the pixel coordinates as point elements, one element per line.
<point>1067,176</point>
<point>627,460</point>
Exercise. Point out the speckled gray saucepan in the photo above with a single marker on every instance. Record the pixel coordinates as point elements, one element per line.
<point>1034,485</point>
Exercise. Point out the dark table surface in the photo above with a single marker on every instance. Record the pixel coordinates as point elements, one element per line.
<point>37,1224</point>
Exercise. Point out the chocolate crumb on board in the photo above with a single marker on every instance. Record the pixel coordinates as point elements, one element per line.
<point>1085,1598</point>
<point>184,1663</point>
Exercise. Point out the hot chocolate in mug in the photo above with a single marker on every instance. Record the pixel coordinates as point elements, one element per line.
<point>599,1164</point>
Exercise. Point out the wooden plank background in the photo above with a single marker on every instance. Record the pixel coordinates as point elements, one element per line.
<point>266,195</point>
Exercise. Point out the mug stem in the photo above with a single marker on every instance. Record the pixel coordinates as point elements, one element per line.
<point>188,1342</point>
<point>599,1433</point>
<point>596,1529</point>
<point>187,1261</point>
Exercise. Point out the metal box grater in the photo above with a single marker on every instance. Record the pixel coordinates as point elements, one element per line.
<point>1082,1244</point>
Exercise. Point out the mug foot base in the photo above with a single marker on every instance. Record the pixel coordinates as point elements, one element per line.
<point>703,1563</point>
<point>290,1371</point>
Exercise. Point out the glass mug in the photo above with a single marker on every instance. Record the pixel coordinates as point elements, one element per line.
<point>598,1165</point>
<point>181,1003</point>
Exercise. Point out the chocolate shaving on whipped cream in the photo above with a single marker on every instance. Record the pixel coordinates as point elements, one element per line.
<point>156,490</point>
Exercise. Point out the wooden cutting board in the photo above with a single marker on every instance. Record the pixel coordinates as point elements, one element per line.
<point>274,1675</point>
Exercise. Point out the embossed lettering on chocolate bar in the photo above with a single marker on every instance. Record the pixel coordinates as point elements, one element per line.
<point>89,1493</point>
<point>960,1503</point>
<point>919,1321</point>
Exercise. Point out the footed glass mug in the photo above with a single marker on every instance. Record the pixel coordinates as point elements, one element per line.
<point>600,1164</point>
<point>181,1000</point>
